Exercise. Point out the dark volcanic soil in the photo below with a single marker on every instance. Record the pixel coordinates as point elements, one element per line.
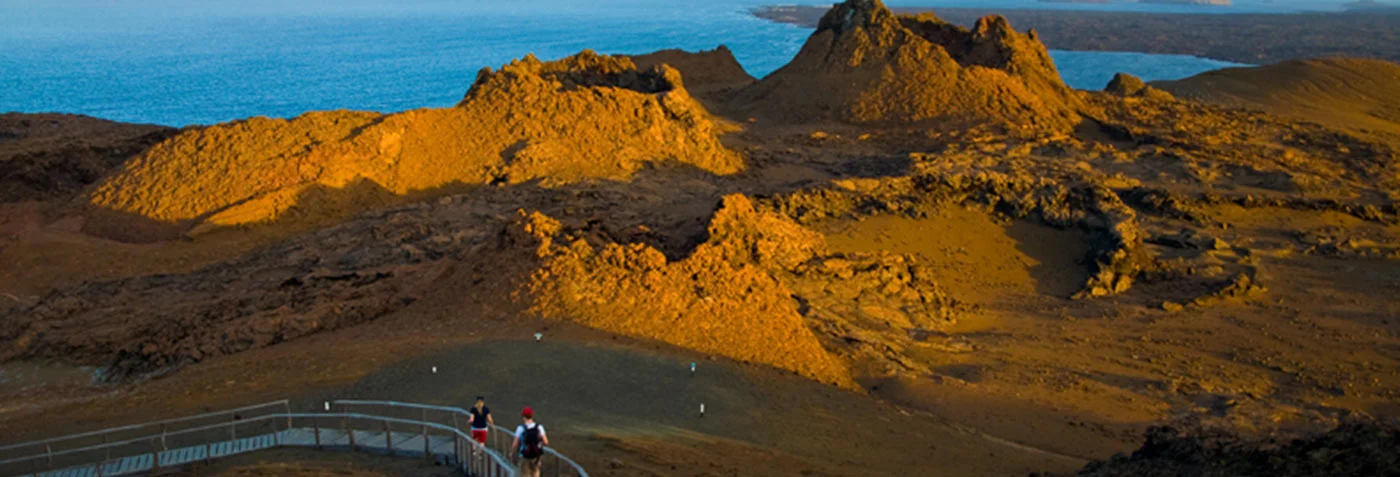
<point>1357,448</point>
<point>54,156</point>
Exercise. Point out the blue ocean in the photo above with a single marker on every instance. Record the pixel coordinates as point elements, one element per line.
<point>182,62</point>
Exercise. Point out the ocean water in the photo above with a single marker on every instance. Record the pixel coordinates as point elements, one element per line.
<point>182,62</point>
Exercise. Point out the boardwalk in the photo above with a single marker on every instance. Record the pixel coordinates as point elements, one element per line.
<point>75,456</point>
<point>442,447</point>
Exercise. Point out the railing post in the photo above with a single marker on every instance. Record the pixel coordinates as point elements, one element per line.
<point>48,450</point>
<point>233,428</point>
<point>316,431</point>
<point>288,406</point>
<point>349,432</point>
<point>155,457</point>
<point>427,449</point>
<point>162,438</point>
<point>389,438</point>
<point>107,450</point>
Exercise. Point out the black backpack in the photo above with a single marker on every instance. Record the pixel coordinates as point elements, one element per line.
<point>531,445</point>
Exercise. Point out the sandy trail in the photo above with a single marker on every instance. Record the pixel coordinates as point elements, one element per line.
<point>599,399</point>
<point>618,406</point>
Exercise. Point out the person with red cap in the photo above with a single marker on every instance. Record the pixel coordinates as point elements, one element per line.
<point>530,440</point>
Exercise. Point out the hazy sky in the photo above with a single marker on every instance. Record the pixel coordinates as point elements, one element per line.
<point>223,7</point>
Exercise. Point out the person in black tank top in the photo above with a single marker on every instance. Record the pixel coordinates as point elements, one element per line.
<point>481,420</point>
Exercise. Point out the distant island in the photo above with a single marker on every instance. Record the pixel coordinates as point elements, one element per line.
<point>1368,29</point>
<point>1223,3</point>
<point>1371,6</point>
<point>1190,2</point>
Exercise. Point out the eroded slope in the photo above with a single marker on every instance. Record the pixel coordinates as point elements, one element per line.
<point>1346,93</point>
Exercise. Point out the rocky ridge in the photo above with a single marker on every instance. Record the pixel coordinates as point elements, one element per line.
<point>504,132</point>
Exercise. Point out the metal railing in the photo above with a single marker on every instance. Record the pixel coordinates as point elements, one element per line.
<point>552,463</point>
<point>52,449</point>
<point>71,455</point>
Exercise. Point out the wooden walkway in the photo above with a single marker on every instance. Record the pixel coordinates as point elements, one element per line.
<point>374,441</point>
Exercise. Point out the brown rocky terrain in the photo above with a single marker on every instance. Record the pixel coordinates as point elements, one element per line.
<point>1360,448</point>
<point>999,301</point>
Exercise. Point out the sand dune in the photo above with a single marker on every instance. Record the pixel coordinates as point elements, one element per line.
<point>1347,93</point>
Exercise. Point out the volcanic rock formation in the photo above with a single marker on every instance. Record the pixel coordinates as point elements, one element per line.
<point>867,65</point>
<point>586,116</point>
<point>705,72</point>
<point>722,299</point>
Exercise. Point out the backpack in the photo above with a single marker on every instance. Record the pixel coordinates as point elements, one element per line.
<point>531,446</point>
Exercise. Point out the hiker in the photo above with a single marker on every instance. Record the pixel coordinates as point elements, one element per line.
<point>530,439</point>
<point>481,420</point>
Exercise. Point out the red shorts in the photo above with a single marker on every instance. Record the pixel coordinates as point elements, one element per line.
<point>479,435</point>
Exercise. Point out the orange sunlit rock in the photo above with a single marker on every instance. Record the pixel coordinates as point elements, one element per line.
<point>587,116</point>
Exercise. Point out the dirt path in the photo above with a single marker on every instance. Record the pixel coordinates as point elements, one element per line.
<point>605,403</point>
<point>621,407</point>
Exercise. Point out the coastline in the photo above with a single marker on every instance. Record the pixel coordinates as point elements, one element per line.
<point>1249,38</point>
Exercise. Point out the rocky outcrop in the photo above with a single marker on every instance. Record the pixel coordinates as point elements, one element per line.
<point>723,299</point>
<point>1129,86</point>
<point>586,116</point>
<point>867,65</point>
